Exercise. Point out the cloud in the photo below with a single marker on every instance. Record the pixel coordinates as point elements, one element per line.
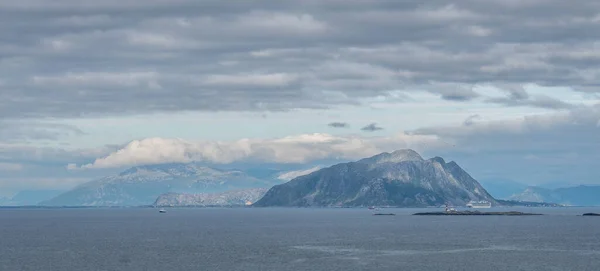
<point>293,174</point>
<point>12,131</point>
<point>98,79</point>
<point>454,92</point>
<point>27,154</point>
<point>251,80</point>
<point>338,125</point>
<point>33,167</point>
<point>293,149</point>
<point>371,128</point>
<point>280,21</point>
<point>10,167</point>
<point>516,92</point>
<point>83,59</point>
<point>471,120</point>
<point>91,58</point>
<point>522,98</point>
<point>564,144</point>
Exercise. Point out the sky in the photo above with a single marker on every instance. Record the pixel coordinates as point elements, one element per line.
<point>508,89</point>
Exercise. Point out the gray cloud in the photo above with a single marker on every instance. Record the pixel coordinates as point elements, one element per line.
<point>12,131</point>
<point>471,120</point>
<point>456,93</point>
<point>518,96</point>
<point>338,125</point>
<point>515,92</point>
<point>564,146</point>
<point>371,128</point>
<point>50,156</point>
<point>39,167</point>
<point>85,58</point>
<point>540,101</point>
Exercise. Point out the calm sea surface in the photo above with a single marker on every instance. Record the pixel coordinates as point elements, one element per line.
<point>295,239</point>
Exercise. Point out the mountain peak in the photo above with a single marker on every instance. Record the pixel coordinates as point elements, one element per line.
<point>394,157</point>
<point>439,160</point>
<point>401,178</point>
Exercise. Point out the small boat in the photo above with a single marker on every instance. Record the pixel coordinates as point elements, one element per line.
<point>162,210</point>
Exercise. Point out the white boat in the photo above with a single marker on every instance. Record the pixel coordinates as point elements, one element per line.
<point>162,210</point>
<point>449,209</point>
<point>479,204</point>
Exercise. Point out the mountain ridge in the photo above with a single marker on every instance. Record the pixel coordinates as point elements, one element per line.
<point>581,195</point>
<point>401,178</point>
<point>228,198</point>
<point>142,185</point>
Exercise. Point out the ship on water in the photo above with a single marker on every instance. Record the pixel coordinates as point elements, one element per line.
<point>479,204</point>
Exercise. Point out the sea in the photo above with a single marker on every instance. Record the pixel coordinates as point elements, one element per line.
<point>295,239</point>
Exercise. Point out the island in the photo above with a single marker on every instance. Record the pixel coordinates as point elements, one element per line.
<point>591,214</point>
<point>510,213</point>
<point>402,178</point>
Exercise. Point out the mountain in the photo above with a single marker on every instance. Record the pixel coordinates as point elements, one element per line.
<point>142,185</point>
<point>33,197</point>
<point>536,194</point>
<point>582,195</point>
<point>401,178</point>
<point>287,176</point>
<point>29,197</point>
<point>5,201</point>
<point>501,188</point>
<point>229,198</point>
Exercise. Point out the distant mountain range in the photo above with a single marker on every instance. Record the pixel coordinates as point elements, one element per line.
<point>401,178</point>
<point>142,185</point>
<point>577,196</point>
<point>29,197</point>
<point>229,198</point>
<point>502,188</point>
<point>5,201</point>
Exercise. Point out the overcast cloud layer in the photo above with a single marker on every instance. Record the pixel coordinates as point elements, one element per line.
<point>86,57</point>
<point>83,59</point>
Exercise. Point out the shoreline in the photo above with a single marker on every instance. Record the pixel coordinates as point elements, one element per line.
<point>464,213</point>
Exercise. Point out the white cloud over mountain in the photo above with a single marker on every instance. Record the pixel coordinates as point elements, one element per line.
<point>293,149</point>
<point>564,146</point>
<point>297,173</point>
